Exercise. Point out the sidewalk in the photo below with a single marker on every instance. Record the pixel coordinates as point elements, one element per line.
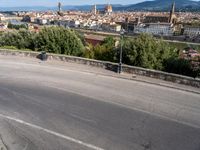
<point>101,71</point>
<point>104,72</point>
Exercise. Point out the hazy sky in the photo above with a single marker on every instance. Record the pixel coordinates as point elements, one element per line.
<point>12,3</point>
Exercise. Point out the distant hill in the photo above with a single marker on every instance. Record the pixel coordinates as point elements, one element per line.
<point>163,5</point>
<point>155,5</point>
<point>34,8</point>
<point>89,7</point>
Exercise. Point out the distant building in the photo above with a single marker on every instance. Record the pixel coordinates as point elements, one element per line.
<point>17,22</point>
<point>3,26</point>
<point>115,27</point>
<point>163,29</point>
<point>105,26</point>
<point>193,56</point>
<point>62,23</point>
<point>59,6</point>
<point>60,9</point>
<point>41,21</point>
<point>171,18</point>
<point>191,31</point>
<point>111,27</point>
<point>108,9</point>
<point>94,39</point>
<point>162,25</point>
<point>2,17</point>
<point>94,9</point>
<point>74,23</point>
<point>156,19</point>
<point>128,25</point>
<point>28,18</point>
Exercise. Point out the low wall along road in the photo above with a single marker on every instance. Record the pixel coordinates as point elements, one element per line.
<point>111,66</point>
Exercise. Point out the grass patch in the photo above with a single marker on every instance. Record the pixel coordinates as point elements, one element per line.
<point>14,48</point>
<point>181,46</point>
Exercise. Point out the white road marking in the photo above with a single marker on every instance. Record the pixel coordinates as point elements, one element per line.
<point>93,147</point>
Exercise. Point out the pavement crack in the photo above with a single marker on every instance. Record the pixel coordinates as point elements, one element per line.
<point>4,146</point>
<point>25,148</point>
<point>147,146</point>
<point>19,133</point>
<point>82,118</point>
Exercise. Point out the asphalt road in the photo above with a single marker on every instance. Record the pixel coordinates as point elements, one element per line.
<point>52,107</point>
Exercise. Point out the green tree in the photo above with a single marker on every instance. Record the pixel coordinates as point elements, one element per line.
<point>20,39</point>
<point>180,66</point>
<point>146,51</point>
<point>89,51</point>
<point>109,42</point>
<point>17,27</point>
<point>81,37</point>
<point>105,51</point>
<point>59,40</point>
<point>28,39</point>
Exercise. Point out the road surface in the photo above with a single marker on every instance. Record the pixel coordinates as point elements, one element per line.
<point>45,106</point>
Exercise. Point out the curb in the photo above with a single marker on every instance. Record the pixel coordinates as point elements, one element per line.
<point>145,81</point>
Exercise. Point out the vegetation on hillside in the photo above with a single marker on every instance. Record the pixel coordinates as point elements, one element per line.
<point>51,39</point>
<point>143,51</point>
<point>148,52</point>
<point>59,41</point>
<point>106,51</point>
<point>181,46</point>
<point>17,27</point>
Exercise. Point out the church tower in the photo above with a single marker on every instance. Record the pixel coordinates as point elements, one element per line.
<point>59,7</point>
<point>108,9</point>
<point>94,9</point>
<point>172,14</point>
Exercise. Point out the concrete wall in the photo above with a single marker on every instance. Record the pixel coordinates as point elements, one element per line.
<point>111,66</point>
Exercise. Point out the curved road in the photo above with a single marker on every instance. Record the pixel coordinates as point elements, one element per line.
<point>47,106</point>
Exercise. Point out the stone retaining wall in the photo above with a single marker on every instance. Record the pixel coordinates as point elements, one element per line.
<point>111,66</point>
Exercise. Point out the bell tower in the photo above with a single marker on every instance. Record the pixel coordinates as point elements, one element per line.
<point>172,13</point>
<point>59,7</point>
<point>94,9</point>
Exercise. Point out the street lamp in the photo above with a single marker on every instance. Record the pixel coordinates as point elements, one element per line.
<point>121,50</point>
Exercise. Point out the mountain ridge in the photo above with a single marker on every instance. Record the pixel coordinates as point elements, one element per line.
<point>163,5</point>
<point>155,5</point>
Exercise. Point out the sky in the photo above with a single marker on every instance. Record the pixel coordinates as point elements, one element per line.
<point>16,3</point>
<point>13,3</point>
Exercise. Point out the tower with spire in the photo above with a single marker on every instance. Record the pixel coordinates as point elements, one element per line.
<point>172,13</point>
<point>94,9</point>
<point>59,7</point>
